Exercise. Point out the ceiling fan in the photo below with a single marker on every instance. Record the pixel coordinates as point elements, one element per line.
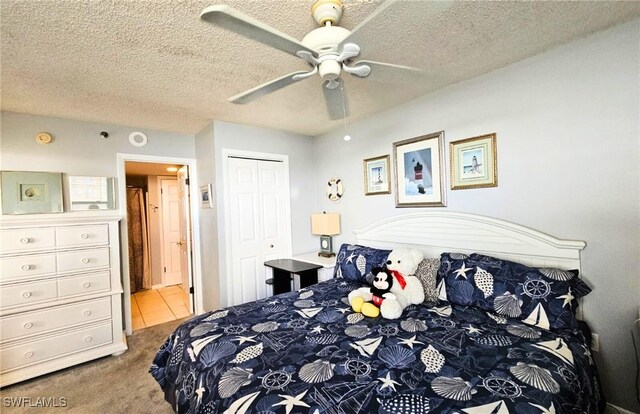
<point>330,50</point>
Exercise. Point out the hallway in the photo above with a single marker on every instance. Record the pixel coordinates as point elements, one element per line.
<point>155,306</point>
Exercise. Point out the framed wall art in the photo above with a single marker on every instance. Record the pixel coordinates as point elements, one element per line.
<point>473,162</point>
<point>419,164</point>
<point>205,196</point>
<point>29,192</point>
<point>377,177</point>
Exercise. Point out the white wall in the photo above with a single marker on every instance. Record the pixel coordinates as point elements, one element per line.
<point>300,149</point>
<point>567,125</point>
<point>205,157</point>
<point>77,148</point>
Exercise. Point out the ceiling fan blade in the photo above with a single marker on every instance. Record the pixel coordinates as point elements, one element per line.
<point>354,37</point>
<point>231,19</point>
<point>387,72</point>
<point>267,88</point>
<point>336,100</point>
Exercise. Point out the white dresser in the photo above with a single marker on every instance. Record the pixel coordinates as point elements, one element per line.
<point>60,293</point>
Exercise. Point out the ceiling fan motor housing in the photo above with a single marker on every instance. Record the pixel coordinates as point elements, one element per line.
<point>325,39</point>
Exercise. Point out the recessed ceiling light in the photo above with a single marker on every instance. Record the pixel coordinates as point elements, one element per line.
<point>172,169</point>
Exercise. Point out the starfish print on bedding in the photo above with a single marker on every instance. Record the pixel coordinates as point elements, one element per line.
<point>289,402</point>
<point>410,343</point>
<point>462,272</point>
<point>568,297</point>
<point>388,382</point>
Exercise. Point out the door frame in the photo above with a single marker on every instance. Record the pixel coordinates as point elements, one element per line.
<point>196,274</point>
<point>226,268</point>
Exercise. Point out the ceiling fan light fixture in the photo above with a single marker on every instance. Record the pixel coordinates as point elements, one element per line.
<point>329,69</point>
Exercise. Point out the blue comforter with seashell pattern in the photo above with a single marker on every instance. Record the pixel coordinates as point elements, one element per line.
<point>308,352</point>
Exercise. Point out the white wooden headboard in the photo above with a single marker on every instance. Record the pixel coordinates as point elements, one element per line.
<point>434,232</point>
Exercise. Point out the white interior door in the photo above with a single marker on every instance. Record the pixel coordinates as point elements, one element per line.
<point>185,233</point>
<point>171,257</point>
<point>257,195</point>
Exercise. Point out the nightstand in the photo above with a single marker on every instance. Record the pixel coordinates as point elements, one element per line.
<point>328,263</point>
<point>284,269</point>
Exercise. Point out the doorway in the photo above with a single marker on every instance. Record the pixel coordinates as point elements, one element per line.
<point>158,244</point>
<point>258,221</point>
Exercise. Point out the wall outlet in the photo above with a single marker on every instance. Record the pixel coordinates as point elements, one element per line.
<point>595,342</point>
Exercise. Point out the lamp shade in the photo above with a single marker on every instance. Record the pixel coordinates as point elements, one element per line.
<point>325,224</point>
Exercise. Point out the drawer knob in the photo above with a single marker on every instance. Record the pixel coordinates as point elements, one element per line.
<point>87,313</point>
<point>26,267</point>
<point>84,236</point>
<point>86,285</point>
<point>28,325</point>
<point>25,240</point>
<point>28,354</point>
<point>88,339</point>
<point>85,260</point>
<point>26,294</point>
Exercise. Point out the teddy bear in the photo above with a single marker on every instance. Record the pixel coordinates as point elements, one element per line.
<point>368,300</point>
<point>406,288</point>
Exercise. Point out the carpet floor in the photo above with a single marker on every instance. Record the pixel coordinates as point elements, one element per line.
<point>119,384</point>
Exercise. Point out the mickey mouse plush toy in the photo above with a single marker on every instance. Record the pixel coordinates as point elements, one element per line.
<point>382,282</point>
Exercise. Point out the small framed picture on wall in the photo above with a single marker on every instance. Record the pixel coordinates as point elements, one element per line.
<point>419,166</point>
<point>377,178</point>
<point>473,162</point>
<point>206,196</point>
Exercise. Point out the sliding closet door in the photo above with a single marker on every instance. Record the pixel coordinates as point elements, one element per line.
<point>257,196</point>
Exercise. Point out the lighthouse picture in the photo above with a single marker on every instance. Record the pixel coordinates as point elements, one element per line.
<point>419,164</point>
<point>418,172</point>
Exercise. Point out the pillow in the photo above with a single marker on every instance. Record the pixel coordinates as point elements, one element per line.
<point>544,297</point>
<point>354,262</point>
<point>427,273</point>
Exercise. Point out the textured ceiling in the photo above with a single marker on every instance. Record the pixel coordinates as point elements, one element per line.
<point>155,64</point>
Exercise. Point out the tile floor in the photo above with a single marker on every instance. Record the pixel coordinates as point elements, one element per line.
<point>155,306</point>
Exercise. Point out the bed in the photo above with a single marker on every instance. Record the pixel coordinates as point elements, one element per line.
<point>307,351</point>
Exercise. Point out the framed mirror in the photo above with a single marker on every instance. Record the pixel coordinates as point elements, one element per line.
<point>91,193</point>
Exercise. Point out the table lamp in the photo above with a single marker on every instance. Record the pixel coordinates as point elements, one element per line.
<point>325,225</point>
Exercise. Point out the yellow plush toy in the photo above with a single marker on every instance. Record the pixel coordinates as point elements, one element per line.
<point>374,295</point>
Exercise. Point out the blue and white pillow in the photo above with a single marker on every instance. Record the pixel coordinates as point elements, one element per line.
<point>354,262</point>
<point>543,297</point>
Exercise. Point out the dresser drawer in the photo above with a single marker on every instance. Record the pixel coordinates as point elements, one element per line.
<point>27,239</point>
<point>30,323</point>
<point>83,284</point>
<point>27,266</point>
<point>27,293</point>
<point>52,347</point>
<point>77,236</point>
<point>83,260</point>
